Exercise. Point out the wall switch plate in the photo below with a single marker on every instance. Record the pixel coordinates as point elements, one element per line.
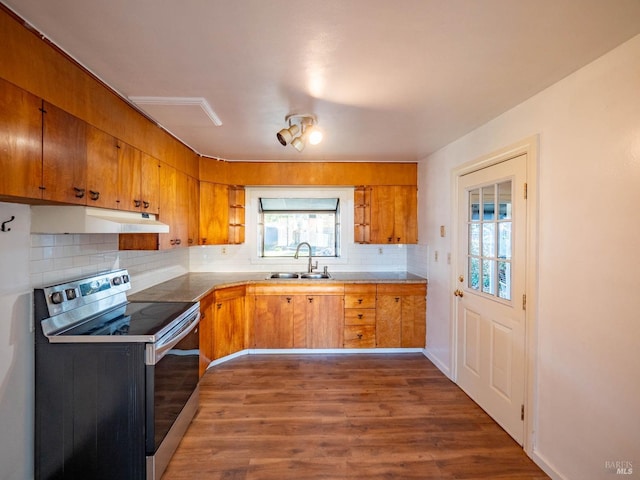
<point>442,231</point>
<point>435,256</point>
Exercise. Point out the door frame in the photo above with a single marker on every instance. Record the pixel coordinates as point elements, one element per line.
<point>528,146</point>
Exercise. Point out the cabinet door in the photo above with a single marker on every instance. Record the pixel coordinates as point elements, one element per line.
<point>181,211</point>
<point>206,332</point>
<point>325,321</point>
<point>405,214</point>
<point>167,204</point>
<point>149,184</point>
<point>194,211</point>
<point>388,321</point>
<point>214,213</point>
<point>414,321</point>
<point>382,214</point>
<point>102,169</point>
<point>228,328</point>
<point>273,321</point>
<point>129,171</point>
<point>64,156</point>
<point>20,142</point>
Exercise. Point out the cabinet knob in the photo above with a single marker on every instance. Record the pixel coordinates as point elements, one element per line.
<point>218,306</point>
<point>204,241</point>
<point>146,204</point>
<point>360,316</point>
<point>288,299</point>
<point>389,239</point>
<point>310,299</point>
<point>94,195</point>
<point>79,192</point>
<point>172,242</point>
<point>178,241</point>
<point>359,336</point>
<point>137,203</point>
<point>397,299</point>
<point>359,300</point>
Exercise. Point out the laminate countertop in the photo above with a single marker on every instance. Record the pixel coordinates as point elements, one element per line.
<point>192,287</point>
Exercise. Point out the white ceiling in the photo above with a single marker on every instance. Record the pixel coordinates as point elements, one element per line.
<point>388,79</point>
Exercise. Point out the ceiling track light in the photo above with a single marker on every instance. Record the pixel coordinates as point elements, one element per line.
<point>306,125</point>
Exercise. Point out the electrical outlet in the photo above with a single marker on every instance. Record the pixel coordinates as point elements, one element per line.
<point>380,251</point>
<point>442,231</point>
<point>224,250</point>
<point>435,256</point>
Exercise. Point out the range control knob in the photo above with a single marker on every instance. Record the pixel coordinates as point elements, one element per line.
<point>125,278</point>
<point>71,293</point>
<point>57,297</point>
<point>117,280</point>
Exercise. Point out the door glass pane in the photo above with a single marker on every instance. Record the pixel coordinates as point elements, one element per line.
<point>488,239</point>
<point>504,240</point>
<point>474,273</point>
<point>474,204</point>
<point>488,276</point>
<point>504,280</point>
<point>474,239</point>
<point>488,203</point>
<point>504,200</point>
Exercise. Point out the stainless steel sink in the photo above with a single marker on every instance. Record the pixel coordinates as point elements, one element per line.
<point>315,275</point>
<point>283,275</point>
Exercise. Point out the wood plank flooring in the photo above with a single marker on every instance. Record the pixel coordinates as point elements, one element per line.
<point>275,417</point>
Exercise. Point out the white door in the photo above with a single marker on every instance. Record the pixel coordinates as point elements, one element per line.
<point>490,290</point>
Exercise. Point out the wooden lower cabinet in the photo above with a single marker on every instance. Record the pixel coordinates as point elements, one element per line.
<point>401,315</point>
<point>228,321</point>
<point>206,332</point>
<point>298,316</point>
<point>359,316</point>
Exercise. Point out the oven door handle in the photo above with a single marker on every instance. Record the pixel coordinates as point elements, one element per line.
<point>155,352</point>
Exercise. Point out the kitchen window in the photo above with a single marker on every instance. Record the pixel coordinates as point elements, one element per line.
<point>286,222</point>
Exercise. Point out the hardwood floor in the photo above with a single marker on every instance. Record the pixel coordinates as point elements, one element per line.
<point>274,417</point>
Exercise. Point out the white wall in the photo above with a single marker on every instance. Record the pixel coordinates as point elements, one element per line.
<point>588,325</point>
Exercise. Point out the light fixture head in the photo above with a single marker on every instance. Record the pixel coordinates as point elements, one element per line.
<point>286,134</point>
<point>306,124</point>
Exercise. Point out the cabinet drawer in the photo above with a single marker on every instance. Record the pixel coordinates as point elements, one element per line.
<point>359,316</point>
<point>359,301</point>
<point>360,336</point>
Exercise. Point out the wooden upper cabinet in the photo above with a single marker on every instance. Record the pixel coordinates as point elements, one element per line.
<point>64,156</point>
<point>194,211</point>
<point>129,171</point>
<point>167,205</point>
<point>102,169</point>
<point>214,213</point>
<point>394,214</point>
<point>362,215</point>
<point>20,142</point>
<point>149,184</point>
<point>139,180</point>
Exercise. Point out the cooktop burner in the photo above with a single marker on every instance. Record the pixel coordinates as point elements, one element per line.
<point>132,319</point>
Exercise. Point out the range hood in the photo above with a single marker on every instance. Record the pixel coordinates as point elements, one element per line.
<point>78,219</point>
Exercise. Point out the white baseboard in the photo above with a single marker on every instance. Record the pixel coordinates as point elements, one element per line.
<point>438,363</point>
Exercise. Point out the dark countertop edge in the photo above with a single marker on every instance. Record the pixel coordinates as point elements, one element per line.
<point>201,284</point>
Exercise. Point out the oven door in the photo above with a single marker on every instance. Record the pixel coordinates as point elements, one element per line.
<point>171,399</point>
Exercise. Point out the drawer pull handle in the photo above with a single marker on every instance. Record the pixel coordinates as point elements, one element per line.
<point>310,299</point>
<point>288,299</point>
<point>360,315</point>
<point>359,336</point>
<point>79,192</point>
<point>359,300</point>
<point>94,195</point>
<point>137,203</point>
<point>397,299</point>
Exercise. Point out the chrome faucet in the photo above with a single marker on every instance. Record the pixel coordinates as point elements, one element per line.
<point>311,267</point>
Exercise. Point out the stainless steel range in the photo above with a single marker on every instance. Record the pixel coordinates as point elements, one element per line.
<point>116,381</point>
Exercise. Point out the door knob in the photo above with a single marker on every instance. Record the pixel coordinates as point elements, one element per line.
<point>458,293</point>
